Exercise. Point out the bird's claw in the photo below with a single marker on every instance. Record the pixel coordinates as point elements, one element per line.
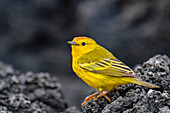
<point>92,97</point>
<point>104,94</point>
<point>87,99</point>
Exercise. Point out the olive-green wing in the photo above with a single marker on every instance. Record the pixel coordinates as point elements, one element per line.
<point>109,67</point>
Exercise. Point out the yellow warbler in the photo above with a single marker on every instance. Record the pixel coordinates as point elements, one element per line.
<point>99,68</point>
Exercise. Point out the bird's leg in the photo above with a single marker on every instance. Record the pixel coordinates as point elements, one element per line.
<point>90,97</point>
<point>105,95</point>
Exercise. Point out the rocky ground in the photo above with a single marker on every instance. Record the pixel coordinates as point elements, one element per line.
<point>42,92</point>
<point>30,92</point>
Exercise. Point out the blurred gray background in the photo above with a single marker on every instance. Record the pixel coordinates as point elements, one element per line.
<point>33,34</point>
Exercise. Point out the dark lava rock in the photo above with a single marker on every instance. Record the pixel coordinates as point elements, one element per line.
<point>30,93</point>
<point>132,98</point>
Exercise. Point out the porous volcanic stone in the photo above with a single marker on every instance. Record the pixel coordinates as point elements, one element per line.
<point>29,92</point>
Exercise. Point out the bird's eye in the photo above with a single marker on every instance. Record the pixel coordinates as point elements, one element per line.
<point>83,43</point>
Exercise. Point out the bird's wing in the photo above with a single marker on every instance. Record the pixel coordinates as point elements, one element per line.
<point>109,67</point>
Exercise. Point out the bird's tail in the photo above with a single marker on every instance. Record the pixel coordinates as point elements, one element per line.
<point>142,83</point>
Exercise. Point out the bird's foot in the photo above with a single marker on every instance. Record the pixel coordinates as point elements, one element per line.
<point>91,97</point>
<point>104,94</point>
<point>101,94</point>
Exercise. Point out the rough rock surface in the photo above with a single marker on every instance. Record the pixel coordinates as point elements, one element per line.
<point>133,98</point>
<point>31,93</point>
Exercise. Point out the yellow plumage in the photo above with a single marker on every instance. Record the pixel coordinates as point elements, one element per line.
<point>99,68</point>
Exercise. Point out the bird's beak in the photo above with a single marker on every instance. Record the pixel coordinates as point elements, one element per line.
<point>71,43</point>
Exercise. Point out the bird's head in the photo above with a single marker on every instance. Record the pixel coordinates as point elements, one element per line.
<point>82,45</point>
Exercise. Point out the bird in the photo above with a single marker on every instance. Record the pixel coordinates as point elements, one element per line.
<point>99,68</point>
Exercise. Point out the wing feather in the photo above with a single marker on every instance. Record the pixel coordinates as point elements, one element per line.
<point>109,67</point>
